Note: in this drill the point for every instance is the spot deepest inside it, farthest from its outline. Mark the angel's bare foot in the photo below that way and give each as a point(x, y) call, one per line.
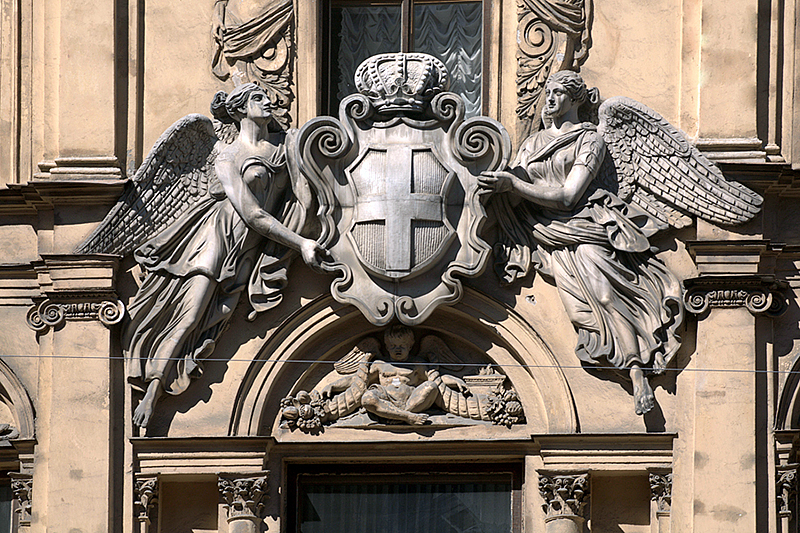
point(417, 419)
point(144, 411)
point(643, 397)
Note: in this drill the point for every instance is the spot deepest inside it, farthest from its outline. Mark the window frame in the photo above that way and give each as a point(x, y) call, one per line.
point(387, 472)
point(406, 39)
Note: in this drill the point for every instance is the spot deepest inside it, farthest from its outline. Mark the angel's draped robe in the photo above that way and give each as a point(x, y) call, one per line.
point(599, 256)
point(209, 241)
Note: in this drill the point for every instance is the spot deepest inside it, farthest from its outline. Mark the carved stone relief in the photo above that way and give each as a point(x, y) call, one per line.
point(786, 490)
point(552, 35)
point(761, 295)
point(146, 503)
point(243, 497)
point(565, 500)
point(52, 313)
point(426, 386)
point(396, 183)
point(181, 217)
point(631, 174)
point(661, 491)
point(22, 488)
point(253, 43)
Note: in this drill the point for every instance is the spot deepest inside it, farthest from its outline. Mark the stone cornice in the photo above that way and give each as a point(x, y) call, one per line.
point(38, 195)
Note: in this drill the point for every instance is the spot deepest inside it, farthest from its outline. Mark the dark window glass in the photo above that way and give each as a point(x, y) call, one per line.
point(5, 508)
point(400, 505)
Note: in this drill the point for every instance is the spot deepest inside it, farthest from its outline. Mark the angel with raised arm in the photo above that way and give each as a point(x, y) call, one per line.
point(579, 205)
point(205, 220)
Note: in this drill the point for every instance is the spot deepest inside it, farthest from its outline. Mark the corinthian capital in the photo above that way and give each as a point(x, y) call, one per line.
point(243, 495)
point(565, 496)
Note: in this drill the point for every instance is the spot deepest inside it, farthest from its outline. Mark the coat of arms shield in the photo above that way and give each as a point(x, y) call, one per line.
point(396, 181)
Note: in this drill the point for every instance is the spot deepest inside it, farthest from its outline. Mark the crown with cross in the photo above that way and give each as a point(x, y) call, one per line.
point(401, 82)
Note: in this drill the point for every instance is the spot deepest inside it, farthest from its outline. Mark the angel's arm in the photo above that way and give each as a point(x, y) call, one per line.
point(456, 383)
point(246, 205)
point(341, 384)
point(562, 197)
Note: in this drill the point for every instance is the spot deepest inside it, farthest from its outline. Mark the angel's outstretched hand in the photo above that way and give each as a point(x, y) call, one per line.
point(314, 254)
point(495, 181)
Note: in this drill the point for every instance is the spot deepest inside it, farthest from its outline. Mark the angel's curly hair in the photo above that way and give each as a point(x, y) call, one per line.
point(588, 99)
point(400, 335)
point(230, 108)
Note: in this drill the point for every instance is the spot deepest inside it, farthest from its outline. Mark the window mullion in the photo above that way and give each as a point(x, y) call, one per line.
point(406, 27)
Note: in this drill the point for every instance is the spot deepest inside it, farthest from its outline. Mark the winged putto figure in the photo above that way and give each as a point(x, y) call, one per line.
point(400, 388)
point(579, 205)
point(206, 220)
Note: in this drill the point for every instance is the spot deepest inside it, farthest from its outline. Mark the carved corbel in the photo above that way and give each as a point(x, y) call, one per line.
point(22, 488)
point(243, 497)
point(51, 313)
point(565, 500)
point(786, 491)
point(761, 295)
point(146, 502)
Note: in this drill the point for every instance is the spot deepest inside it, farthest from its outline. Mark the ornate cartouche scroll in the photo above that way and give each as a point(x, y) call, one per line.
point(403, 387)
point(595, 185)
point(396, 181)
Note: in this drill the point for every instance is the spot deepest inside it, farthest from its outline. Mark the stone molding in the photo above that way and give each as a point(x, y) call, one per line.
point(786, 489)
point(661, 491)
point(565, 495)
point(22, 487)
point(81, 167)
point(51, 314)
point(760, 294)
point(145, 501)
point(243, 495)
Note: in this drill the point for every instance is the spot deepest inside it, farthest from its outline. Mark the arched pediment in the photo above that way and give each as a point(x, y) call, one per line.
point(17, 404)
point(479, 330)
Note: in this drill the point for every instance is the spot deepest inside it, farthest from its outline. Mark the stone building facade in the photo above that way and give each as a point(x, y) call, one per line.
point(293, 405)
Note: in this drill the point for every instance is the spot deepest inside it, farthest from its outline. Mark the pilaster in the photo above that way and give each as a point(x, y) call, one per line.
point(73, 317)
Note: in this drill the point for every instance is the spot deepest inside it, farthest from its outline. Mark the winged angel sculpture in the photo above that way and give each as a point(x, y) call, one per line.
point(579, 205)
point(206, 219)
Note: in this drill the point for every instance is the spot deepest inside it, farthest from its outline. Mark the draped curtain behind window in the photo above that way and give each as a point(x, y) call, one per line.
point(451, 32)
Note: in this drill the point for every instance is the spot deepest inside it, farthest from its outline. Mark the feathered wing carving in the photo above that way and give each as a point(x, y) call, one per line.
point(363, 352)
point(176, 175)
point(434, 350)
point(654, 166)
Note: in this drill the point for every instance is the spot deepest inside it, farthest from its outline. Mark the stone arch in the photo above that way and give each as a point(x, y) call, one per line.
point(787, 415)
point(323, 327)
point(15, 398)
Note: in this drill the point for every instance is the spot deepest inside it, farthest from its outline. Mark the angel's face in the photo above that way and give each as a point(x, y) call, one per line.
point(258, 106)
point(398, 349)
point(557, 100)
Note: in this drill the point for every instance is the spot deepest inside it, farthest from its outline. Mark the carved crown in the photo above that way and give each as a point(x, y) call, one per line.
point(401, 82)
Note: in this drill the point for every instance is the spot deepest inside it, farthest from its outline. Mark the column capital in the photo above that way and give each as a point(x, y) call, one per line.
point(564, 495)
point(661, 491)
point(22, 487)
point(759, 294)
point(243, 494)
point(145, 501)
point(786, 489)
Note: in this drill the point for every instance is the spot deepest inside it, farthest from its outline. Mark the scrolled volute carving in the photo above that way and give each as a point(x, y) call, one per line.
point(51, 314)
point(243, 496)
point(761, 295)
point(565, 496)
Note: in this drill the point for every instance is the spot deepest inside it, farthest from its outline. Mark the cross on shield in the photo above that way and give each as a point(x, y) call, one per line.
point(400, 191)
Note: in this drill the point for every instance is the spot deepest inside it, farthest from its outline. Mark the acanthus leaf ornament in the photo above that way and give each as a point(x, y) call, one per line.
point(396, 181)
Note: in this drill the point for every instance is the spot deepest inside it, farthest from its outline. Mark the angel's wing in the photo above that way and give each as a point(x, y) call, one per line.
point(176, 175)
point(434, 350)
point(363, 352)
point(655, 167)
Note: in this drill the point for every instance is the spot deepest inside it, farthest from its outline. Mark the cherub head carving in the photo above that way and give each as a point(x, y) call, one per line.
point(398, 340)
